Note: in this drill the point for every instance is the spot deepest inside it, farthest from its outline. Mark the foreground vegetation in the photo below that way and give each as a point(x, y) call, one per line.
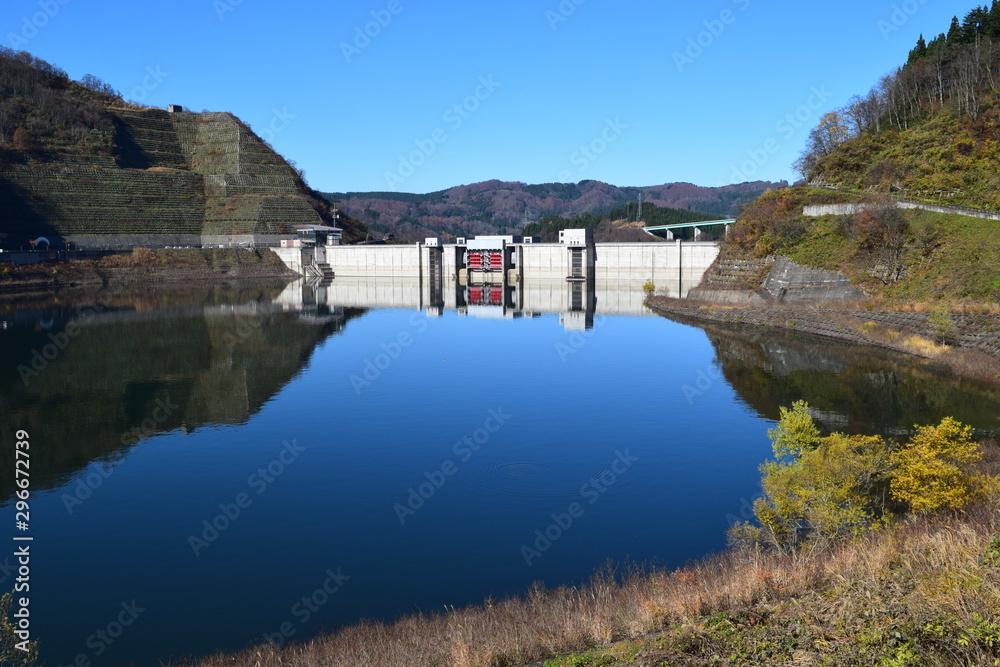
point(823, 489)
point(923, 593)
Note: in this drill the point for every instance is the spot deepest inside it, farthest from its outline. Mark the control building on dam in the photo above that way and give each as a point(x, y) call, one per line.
point(498, 276)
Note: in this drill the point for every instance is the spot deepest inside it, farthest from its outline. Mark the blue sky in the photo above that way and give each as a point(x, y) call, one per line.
point(416, 95)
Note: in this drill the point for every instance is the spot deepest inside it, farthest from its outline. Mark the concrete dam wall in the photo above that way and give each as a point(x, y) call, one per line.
point(685, 263)
point(490, 278)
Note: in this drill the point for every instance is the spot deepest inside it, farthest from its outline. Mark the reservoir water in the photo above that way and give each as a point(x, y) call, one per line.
point(213, 468)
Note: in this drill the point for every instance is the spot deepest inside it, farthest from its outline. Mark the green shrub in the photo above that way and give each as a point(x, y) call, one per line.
point(942, 326)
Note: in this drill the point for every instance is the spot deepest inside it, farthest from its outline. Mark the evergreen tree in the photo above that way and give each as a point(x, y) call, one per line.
point(938, 42)
point(992, 27)
point(973, 24)
point(954, 32)
point(918, 52)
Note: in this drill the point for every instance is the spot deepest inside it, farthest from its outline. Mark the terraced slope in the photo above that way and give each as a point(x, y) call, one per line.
point(174, 173)
point(249, 189)
point(733, 272)
point(71, 200)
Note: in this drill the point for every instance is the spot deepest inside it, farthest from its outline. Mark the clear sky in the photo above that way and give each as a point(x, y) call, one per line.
point(418, 95)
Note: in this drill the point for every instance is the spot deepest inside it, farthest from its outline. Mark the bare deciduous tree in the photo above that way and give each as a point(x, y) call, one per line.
point(22, 140)
point(882, 232)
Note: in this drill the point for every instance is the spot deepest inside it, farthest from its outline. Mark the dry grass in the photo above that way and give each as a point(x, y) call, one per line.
point(965, 362)
point(924, 347)
point(165, 170)
point(541, 624)
point(954, 306)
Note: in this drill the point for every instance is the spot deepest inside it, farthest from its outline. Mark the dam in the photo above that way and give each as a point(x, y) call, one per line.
point(497, 276)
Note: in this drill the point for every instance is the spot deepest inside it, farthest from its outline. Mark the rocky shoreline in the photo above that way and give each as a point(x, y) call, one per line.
point(165, 267)
point(967, 343)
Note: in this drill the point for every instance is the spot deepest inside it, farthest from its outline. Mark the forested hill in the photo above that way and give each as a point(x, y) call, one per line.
point(77, 159)
point(496, 206)
point(929, 129)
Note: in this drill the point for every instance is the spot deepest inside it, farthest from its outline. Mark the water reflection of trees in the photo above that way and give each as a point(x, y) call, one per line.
point(850, 388)
point(136, 370)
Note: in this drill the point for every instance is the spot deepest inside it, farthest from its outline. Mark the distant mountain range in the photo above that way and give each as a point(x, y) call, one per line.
point(494, 207)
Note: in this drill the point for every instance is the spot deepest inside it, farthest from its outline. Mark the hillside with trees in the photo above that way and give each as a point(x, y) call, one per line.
point(495, 207)
point(926, 132)
point(78, 160)
point(929, 129)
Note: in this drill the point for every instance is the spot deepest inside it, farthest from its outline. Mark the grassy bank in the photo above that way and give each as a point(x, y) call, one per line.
point(924, 593)
point(949, 258)
point(932, 279)
point(899, 257)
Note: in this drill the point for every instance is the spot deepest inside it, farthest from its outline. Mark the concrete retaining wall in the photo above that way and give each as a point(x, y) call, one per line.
point(240, 240)
point(730, 297)
point(293, 258)
point(851, 209)
point(787, 275)
point(831, 209)
point(786, 282)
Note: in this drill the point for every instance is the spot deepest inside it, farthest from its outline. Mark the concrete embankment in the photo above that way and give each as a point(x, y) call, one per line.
point(738, 282)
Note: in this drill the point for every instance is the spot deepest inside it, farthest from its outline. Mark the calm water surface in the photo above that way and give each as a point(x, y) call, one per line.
point(403, 461)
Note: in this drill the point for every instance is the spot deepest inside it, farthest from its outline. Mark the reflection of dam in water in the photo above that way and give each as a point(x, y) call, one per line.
point(499, 277)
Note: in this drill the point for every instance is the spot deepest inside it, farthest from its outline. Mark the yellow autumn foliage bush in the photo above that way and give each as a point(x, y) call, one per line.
point(935, 469)
point(821, 489)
